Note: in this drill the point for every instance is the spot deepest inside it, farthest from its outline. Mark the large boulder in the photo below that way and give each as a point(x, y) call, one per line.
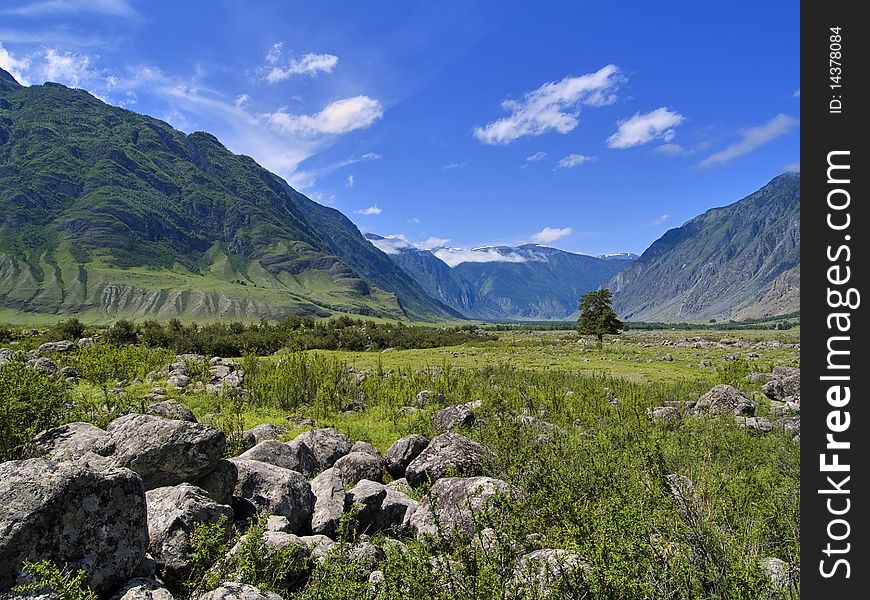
point(295, 456)
point(264, 488)
point(400, 454)
point(141, 588)
point(267, 431)
point(448, 451)
point(170, 409)
point(232, 590)
point(459, 416)
point(162, 451)
point(327, 444)
point(51, 347)
point(784, 382)
point(172, 514)
point(70, 513)
point(365, 501)
point(725, 399)
point(220, 483)
point(397, 508)
point(330, 498)
point(66, 442)
point(453, 503)
point(356, 466)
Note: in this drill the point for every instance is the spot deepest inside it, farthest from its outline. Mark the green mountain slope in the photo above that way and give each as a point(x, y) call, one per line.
point(721, 263)
point(106, 211)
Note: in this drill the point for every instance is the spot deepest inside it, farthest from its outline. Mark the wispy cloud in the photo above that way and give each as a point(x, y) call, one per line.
point(670, 150)
point(340, 116)
point(548, 235)
point(371, 210)
point(414, 220)
point(456, 256)
point(794, 167)
point(658, 221)
point(16, 66)
point(573, 160)
point(451, 166)
point(242, 100)
point(554, 106)
point(392, 244)
point(432, 243)
point(309, 64)
point(116, 8)
point(752, 138)
point(646, 127)
point(537, 156)
point(349, 183)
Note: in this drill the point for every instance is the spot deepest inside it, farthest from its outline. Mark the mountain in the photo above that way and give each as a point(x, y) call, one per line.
point(104, 211)
point(739, 260)
point(505, 282)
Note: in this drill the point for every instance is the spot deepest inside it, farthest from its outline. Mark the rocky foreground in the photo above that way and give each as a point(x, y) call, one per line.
point(121, 503)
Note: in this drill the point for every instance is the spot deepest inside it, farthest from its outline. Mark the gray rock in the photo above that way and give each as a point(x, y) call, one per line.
point(539, 573)
point(172, 514)
point(759, 424)
point(162, 451)
point(273, 542)
point(400, 485)
point(280, 524)
point(85, 342)
point(142, 588)
point(424, 397)
point(394, 517)
point(779, 572)
point(725, 399)
point(328, 445)
point(447, 451)
point(296, 457)
point(42, 364)
point(365, 500)
point(178, 380)
point(52, 347)
point(366, 557)
point(791, 425)
point(365, 447)
point(330, 498)
point(453, 417)
point(784, 382)
point(318, 546)
point(72, 514)
point(267, 431)
point(359, 465)
point(264, 488)
point(66, 442)
point(667, 414)
point(221, 482)
point(400, 454)
point(238, 591)
point(453, 503)
point(170, 409)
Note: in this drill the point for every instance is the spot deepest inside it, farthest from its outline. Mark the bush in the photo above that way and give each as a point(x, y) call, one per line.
point(30, 402)
point(45, 576)
point(71, 329)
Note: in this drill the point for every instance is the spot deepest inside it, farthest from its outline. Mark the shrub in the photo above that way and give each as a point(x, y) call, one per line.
point(30, 401)
point(46, 576)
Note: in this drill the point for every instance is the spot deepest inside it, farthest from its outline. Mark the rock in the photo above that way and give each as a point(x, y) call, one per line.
point(267, 431)
point(667, 414)
point(453, 503)
point(70, 513)
point(365, 500)
point(759, 424)
point(394, 517)
point(264, 488)
point(779, 572)
point(280, 524)
point(169, 409)
point(221, 482)
point(400, 485)
point(453, 417)
point(238, 591)
point(85, 342)
point(359, 465)
point(791, 425)
point(784, 382)
point(447, 451)
point(295, 456)
point(66, 442)
point(725, 399)
point(376, 579)
point(366, 557)
point(330, 498)
point(178, 380)
point(401, 453)
point(366, 448)
point(274, 541)
point(328, 445)
point(142, 588)
point(540, 573)
point(668, 358)
point(172, 514)
point(52, 347)
point(424, 397)
point(6, 355)
point(42, 364)
point(318, 545)
point(162, 451)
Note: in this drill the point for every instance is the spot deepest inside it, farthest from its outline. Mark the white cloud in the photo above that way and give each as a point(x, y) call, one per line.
point(242, 100)
point(321, 198)
point(392, 244)
point(658, 221)
point(432, 243)
point(371, 210)
point(548, 235)
point(643, 128)
point(554, 106)
point(67, 67)
point(17, 67)
point(274, 53)
point(310, 64)
point(794, 167)
point(349, 181)
point(670, 150)
point(414, 220)
point(573, 160)
point(340, 116)
point(536, 157)
point(752, 138)
point(450, 166)
point(116, 8)
point(455, 256)
point(370, 156)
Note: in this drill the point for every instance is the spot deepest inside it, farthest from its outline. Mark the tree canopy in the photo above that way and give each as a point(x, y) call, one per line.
point(596, 315)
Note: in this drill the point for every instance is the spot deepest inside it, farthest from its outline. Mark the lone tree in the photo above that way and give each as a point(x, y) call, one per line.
point(596, 315)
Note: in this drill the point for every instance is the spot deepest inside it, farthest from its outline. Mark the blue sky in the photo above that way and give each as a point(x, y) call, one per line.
point(588, 127)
